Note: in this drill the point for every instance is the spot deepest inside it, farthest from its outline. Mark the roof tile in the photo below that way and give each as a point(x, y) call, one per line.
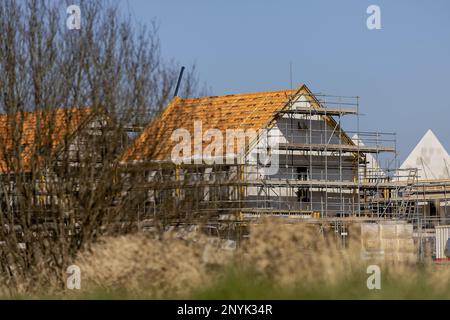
point(29, 131)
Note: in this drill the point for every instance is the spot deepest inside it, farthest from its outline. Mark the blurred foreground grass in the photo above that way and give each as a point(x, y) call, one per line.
point(244, 285)
point(277, 262)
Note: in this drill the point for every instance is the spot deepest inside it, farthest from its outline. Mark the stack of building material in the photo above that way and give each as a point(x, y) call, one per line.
point(370, 240)
point(442, 236)
point(389, 240)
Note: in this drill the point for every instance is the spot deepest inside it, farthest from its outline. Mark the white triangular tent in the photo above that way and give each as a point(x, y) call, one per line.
point(430, 158)
point(373, 168)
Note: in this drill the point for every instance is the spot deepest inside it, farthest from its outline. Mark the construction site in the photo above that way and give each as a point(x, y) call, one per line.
point(301, 165)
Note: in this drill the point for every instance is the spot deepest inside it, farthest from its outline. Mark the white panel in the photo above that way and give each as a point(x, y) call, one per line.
point(430, 157)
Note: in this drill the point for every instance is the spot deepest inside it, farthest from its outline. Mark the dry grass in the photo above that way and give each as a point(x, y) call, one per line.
point(138, 263)
point(294, 253)
point(278, 261)
point(159, 267)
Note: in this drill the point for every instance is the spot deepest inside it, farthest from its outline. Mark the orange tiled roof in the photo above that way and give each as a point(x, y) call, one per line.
point(234, 111)
point(26, 132)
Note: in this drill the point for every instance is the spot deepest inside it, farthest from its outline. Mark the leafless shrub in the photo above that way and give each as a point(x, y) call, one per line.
point(68, 98)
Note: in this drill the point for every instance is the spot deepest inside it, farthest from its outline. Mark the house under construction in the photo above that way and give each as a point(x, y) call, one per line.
point(297, 160)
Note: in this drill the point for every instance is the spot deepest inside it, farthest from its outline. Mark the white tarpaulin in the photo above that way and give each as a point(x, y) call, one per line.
point(430, 158)
point(373, 168)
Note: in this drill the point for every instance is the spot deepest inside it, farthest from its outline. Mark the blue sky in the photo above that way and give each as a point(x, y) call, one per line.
point(401, 72)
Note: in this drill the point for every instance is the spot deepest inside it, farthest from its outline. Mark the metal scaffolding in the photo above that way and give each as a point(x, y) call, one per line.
point(322, 173)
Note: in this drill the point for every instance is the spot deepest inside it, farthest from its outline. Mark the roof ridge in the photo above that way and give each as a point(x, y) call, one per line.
point(50, 110)
point(255, 93)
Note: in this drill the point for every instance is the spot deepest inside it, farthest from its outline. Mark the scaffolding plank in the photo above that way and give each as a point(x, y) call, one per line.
point(275, 211)
point(334, 147)
point(274, 183)
point(324, 183)
point(320, 111)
